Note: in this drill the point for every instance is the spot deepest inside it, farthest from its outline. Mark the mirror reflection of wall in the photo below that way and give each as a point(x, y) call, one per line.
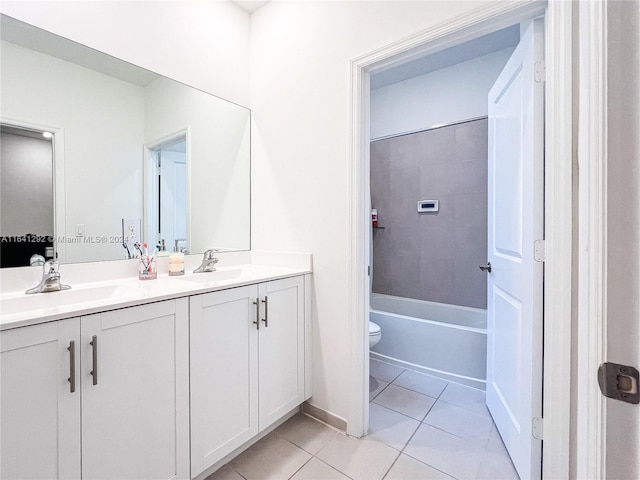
point(26, 195)
point(102, 121)
point(106, 115)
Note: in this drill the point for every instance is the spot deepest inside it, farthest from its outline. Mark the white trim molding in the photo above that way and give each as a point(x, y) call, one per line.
point(358, 377)
point(558, 206)
point(556, 399)
point(592, 240)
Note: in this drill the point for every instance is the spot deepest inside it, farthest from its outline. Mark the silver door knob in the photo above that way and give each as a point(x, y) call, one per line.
point(486, 268)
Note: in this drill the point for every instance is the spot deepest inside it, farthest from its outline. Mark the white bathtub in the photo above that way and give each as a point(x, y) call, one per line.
point(443, 340)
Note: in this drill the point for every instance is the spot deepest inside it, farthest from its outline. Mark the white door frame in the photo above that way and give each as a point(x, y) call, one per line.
point(558, 208)
point(592, 241)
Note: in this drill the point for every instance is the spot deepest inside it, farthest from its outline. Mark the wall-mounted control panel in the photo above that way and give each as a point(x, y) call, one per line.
point(427, 206)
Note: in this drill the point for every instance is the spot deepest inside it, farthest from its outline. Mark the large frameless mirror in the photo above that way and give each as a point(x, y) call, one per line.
point(99, 154)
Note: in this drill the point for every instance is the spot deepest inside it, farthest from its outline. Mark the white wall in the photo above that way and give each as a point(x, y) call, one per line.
point(623, 229)
point(300, 99)
point(103, 178)
point(26, 183)
point(444, 96)
point(202, 43)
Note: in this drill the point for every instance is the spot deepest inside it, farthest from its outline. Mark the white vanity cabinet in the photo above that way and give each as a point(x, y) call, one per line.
point(155, 386)
point(39, 412)
point(281, 348)
point(131, 370)
point(135, 404)
point(247, 364)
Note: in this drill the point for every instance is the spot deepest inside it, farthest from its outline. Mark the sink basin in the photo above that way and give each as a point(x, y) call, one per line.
point(54, 300)
point(216, 276)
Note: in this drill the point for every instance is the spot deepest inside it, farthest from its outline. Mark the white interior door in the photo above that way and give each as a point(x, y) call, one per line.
point(173, 199)
point(514, 286)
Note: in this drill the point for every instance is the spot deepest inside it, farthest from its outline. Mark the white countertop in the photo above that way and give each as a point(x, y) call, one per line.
point(18, 309)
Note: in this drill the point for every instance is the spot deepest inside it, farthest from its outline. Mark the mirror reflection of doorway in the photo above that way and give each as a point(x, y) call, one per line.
point(26, 201)
point(170, 160)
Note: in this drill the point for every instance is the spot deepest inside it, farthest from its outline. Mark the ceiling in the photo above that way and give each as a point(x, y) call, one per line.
point(249, 6)
point(493, 42)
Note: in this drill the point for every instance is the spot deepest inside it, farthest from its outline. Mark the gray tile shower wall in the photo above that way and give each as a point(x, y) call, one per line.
point(432, 256)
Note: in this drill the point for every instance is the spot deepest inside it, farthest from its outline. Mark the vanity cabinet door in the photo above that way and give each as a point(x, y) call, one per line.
point(135, 392)
point(281, 348)
point(224, 374)
point(40, 428)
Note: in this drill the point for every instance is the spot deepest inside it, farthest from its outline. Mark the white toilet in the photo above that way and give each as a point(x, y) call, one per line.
point(374, 333)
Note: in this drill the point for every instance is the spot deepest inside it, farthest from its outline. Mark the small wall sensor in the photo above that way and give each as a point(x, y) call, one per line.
point(425, 206)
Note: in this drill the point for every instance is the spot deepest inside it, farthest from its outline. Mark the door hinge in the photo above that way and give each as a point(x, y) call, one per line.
point(537, 428)
point(368, 270)
point(539, 71)
point(538, 250)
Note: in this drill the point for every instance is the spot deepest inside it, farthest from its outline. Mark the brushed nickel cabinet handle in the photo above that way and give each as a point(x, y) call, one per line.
point(72, 366)
point(256, 322)
point(94, 372)
point(266, 311)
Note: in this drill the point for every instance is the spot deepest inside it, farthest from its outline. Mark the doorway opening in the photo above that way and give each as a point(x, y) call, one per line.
point(167, 220)
point(429, 162)
point(27, 229)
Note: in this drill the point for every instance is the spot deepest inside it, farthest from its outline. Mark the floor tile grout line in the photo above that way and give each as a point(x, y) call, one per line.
point(428, 411)
point(405, 445)
point(411, 390)
point(455, 435)
point(445, 431)
point(399, 413)
point(385, 363)
point(231, 467)
point(383, 389)
point(402, 413)
point(391, 466)
point(408, 390)
point(430, 466)
point(295, 445)
point(483, 446)
point(301, 467)
point(331, 466)
point(422, 393)
point(465, 408)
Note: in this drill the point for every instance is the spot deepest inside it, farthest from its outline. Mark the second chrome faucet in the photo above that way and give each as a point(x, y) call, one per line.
point(208, 262)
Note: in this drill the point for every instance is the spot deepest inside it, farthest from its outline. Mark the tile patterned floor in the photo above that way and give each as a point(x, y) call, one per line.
point(421, 427)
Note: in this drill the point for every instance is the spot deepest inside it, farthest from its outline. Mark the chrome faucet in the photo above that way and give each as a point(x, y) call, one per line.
point(208, 262)
point(50, 281)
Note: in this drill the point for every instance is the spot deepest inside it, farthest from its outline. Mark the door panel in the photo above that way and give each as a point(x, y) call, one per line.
point(281, 348)
point(224, 374)
point(40, 428)
point(135, 419)
point(514, 287)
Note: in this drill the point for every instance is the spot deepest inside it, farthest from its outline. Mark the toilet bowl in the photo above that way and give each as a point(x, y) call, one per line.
point(374, 333)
